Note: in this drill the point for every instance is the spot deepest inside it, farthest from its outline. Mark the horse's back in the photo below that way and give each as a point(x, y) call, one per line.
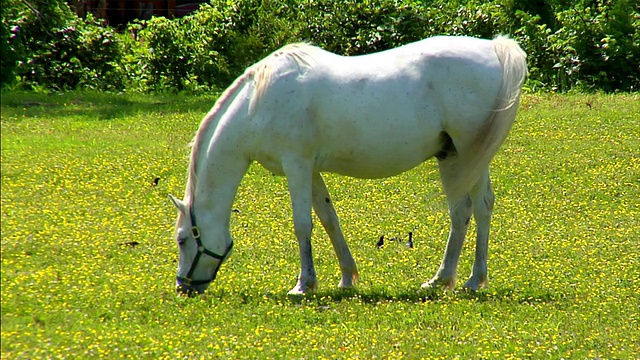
point(380, 114)
point(451, 76)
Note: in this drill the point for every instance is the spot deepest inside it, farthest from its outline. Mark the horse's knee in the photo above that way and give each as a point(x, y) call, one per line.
point(489, 200)
point(303, 229)
point(460, 213)
point(483, 201)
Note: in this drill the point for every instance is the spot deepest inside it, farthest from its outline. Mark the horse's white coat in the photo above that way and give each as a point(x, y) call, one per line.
point(303, 111)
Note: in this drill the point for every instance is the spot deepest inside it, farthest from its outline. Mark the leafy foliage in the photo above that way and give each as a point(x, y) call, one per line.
point(355, 27)
point(56, 49)
point(604, 46)
point(209, 47)
point(585, 44)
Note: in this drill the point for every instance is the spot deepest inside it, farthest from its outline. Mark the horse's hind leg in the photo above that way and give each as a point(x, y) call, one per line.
point(460, 214)
point(482, 199)
point(460, 210)
point(326, 212)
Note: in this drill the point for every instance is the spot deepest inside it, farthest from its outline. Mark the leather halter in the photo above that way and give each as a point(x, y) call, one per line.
point(195, 232)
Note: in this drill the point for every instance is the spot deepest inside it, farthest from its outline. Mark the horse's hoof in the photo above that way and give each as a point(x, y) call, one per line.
point(349, 283)
point(303, 289)
point(344, 291)
point(428, 287)
point(296, 291)
point(295, 296)
point(437, 282)
point(476, 282)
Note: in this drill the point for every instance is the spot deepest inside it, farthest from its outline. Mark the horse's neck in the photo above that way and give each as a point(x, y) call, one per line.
point(218, 178)
point(218, 163)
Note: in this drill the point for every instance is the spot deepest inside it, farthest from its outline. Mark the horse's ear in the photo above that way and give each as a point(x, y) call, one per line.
point(179, 204)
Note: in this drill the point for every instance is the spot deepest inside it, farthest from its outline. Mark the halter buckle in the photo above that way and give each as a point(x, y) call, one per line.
point(195, 232)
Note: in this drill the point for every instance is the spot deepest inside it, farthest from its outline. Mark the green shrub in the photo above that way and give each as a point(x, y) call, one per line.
point(8, 56)
point(55, 49)
point(534, 37)
point(604, 39)
point(585, 44)
point(484, 19)
point(203, 51)
point(358, 27)
point(594, 47)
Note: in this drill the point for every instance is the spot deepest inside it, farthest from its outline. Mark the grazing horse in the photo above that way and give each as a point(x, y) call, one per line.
point(302, 111)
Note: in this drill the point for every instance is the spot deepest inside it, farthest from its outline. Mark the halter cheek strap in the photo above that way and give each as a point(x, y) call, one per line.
point(195, 232)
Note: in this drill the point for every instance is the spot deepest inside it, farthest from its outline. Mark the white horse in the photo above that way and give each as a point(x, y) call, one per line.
point(302, 111)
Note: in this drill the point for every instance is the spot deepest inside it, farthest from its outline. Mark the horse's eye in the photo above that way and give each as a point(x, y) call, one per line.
point(181, 241)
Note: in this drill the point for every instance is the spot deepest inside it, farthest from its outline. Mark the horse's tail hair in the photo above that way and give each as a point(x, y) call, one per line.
point(514, 70)
point(473, 161)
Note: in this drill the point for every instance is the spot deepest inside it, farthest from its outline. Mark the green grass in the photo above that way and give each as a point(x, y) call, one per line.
point(77, 171)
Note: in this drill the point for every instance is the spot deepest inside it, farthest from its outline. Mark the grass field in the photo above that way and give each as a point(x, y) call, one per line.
point(77, 174)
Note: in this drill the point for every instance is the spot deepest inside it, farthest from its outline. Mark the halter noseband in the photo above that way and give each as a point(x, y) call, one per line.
point(195, 232)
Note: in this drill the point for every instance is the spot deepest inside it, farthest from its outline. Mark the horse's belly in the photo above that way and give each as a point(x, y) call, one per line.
point(365, 170)
point(373, 162)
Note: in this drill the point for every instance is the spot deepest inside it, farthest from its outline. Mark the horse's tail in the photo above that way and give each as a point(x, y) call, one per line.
point(514, 70)
point(471, 163)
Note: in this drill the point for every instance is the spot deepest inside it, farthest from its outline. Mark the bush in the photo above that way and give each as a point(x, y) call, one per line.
point(354, 27)
point(585, 44)
point(57, 50)
point(603, 41)
point(203, 51)
point(8, 56)
point(593, 48)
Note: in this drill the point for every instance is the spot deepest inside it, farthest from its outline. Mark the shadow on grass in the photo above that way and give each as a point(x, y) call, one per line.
point(103, 106)
point(325, 298)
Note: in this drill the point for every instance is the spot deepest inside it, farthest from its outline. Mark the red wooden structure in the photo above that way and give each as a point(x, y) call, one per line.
point(120, 12)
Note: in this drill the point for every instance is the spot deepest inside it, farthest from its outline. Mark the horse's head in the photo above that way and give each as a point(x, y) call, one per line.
point(197, 264)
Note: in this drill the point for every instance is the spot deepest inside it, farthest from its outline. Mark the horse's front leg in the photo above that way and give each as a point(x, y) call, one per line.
point(323, 207)
point(460, 214)
point(299, 175)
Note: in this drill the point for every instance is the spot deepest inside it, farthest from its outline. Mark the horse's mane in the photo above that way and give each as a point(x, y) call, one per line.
point(261, 74)
point(300, 53)
point(211, 119)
